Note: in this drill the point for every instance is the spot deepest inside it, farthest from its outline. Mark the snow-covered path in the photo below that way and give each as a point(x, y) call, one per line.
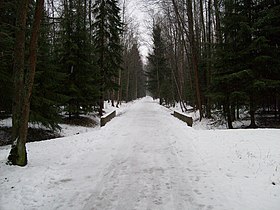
point(147, 159)
point(145, 169)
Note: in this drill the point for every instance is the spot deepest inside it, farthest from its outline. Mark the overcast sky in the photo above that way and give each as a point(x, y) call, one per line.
point(139, 11)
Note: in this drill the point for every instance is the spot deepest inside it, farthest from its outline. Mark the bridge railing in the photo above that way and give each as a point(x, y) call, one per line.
point(106, 118)
point(184, 118)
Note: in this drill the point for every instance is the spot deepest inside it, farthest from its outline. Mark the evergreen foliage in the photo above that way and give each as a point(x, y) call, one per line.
point(77, 60)
point(7, 36)
point(158, 72)
point(46, 98)
point(137, 79)
point(106, 38)
point(80, 55)
point(247, 58)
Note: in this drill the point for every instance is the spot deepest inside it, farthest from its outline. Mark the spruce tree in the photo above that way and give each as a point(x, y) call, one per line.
point(77, 61)
point(107, 30)
point(7, 39)
point(135, 67)
point(265, 48)
point(159, 75)
point(46, 98)
point(233, 65)
point(247, 65)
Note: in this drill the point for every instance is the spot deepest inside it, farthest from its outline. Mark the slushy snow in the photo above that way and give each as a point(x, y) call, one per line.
point(147, 159)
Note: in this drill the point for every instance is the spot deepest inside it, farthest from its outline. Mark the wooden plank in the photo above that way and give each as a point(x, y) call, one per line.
point(184, 118)
point(106, 118)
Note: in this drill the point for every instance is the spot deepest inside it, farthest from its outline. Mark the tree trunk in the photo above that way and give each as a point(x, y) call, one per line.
point(194, 56)
point(127, 82)
point(136, 86)
point(119, 89)
point(252, 113)
point(277, 106)
point(101, 103)
point(218, 24)
point(228, 113)
point(119, 94)
point(158, 86)
point(202, 22)
point(90, 19)
point(182, 30)
point(18, 154)
point(113, 98)
point(24, 82)
point(209, 58)
point(237, 111)
point(252, 117)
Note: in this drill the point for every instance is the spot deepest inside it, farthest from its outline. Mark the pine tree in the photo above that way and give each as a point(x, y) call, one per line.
point(159, 75)
point(135, 67)
point(265, 48)
point(7, 39)
point(233, 71)
point(77, 60)
point(247, 67)
point(106, 38)
point(46, 98)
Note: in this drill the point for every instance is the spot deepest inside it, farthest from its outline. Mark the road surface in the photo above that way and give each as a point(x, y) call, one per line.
point(149, 166)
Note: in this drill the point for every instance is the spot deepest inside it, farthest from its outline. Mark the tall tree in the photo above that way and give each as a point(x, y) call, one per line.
point(136, 80)
point(77, 59)
point(159, 75)
point(47, 100)
point(7, 38)
point(107, 33)
point(23, 80)
point(194, 56)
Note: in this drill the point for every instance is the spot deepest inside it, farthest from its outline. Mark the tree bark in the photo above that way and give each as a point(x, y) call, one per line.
point(202, 22)
point(181, 28)
point(18, 154)
point(120, 89)
point(194, 56)
point(252, 112)
point(209, 58)
point(228, 112)
point(127, 81)
point(23, 82)
point(218, 24)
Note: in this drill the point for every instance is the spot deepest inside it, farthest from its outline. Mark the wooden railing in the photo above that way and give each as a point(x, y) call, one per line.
point(106, 118)
point(184, 118)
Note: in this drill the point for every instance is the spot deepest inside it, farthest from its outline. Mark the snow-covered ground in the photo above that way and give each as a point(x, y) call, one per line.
point(70, 130)
point(147, 159)
point(216, 122)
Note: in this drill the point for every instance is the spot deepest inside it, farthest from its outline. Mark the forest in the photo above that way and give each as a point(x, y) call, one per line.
point(217, 55)
point(83, 54)
point(64, 58)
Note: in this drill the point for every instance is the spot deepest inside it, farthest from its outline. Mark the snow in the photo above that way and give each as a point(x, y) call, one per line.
point(217, 121)
point(70, 130)
point(147, 159)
